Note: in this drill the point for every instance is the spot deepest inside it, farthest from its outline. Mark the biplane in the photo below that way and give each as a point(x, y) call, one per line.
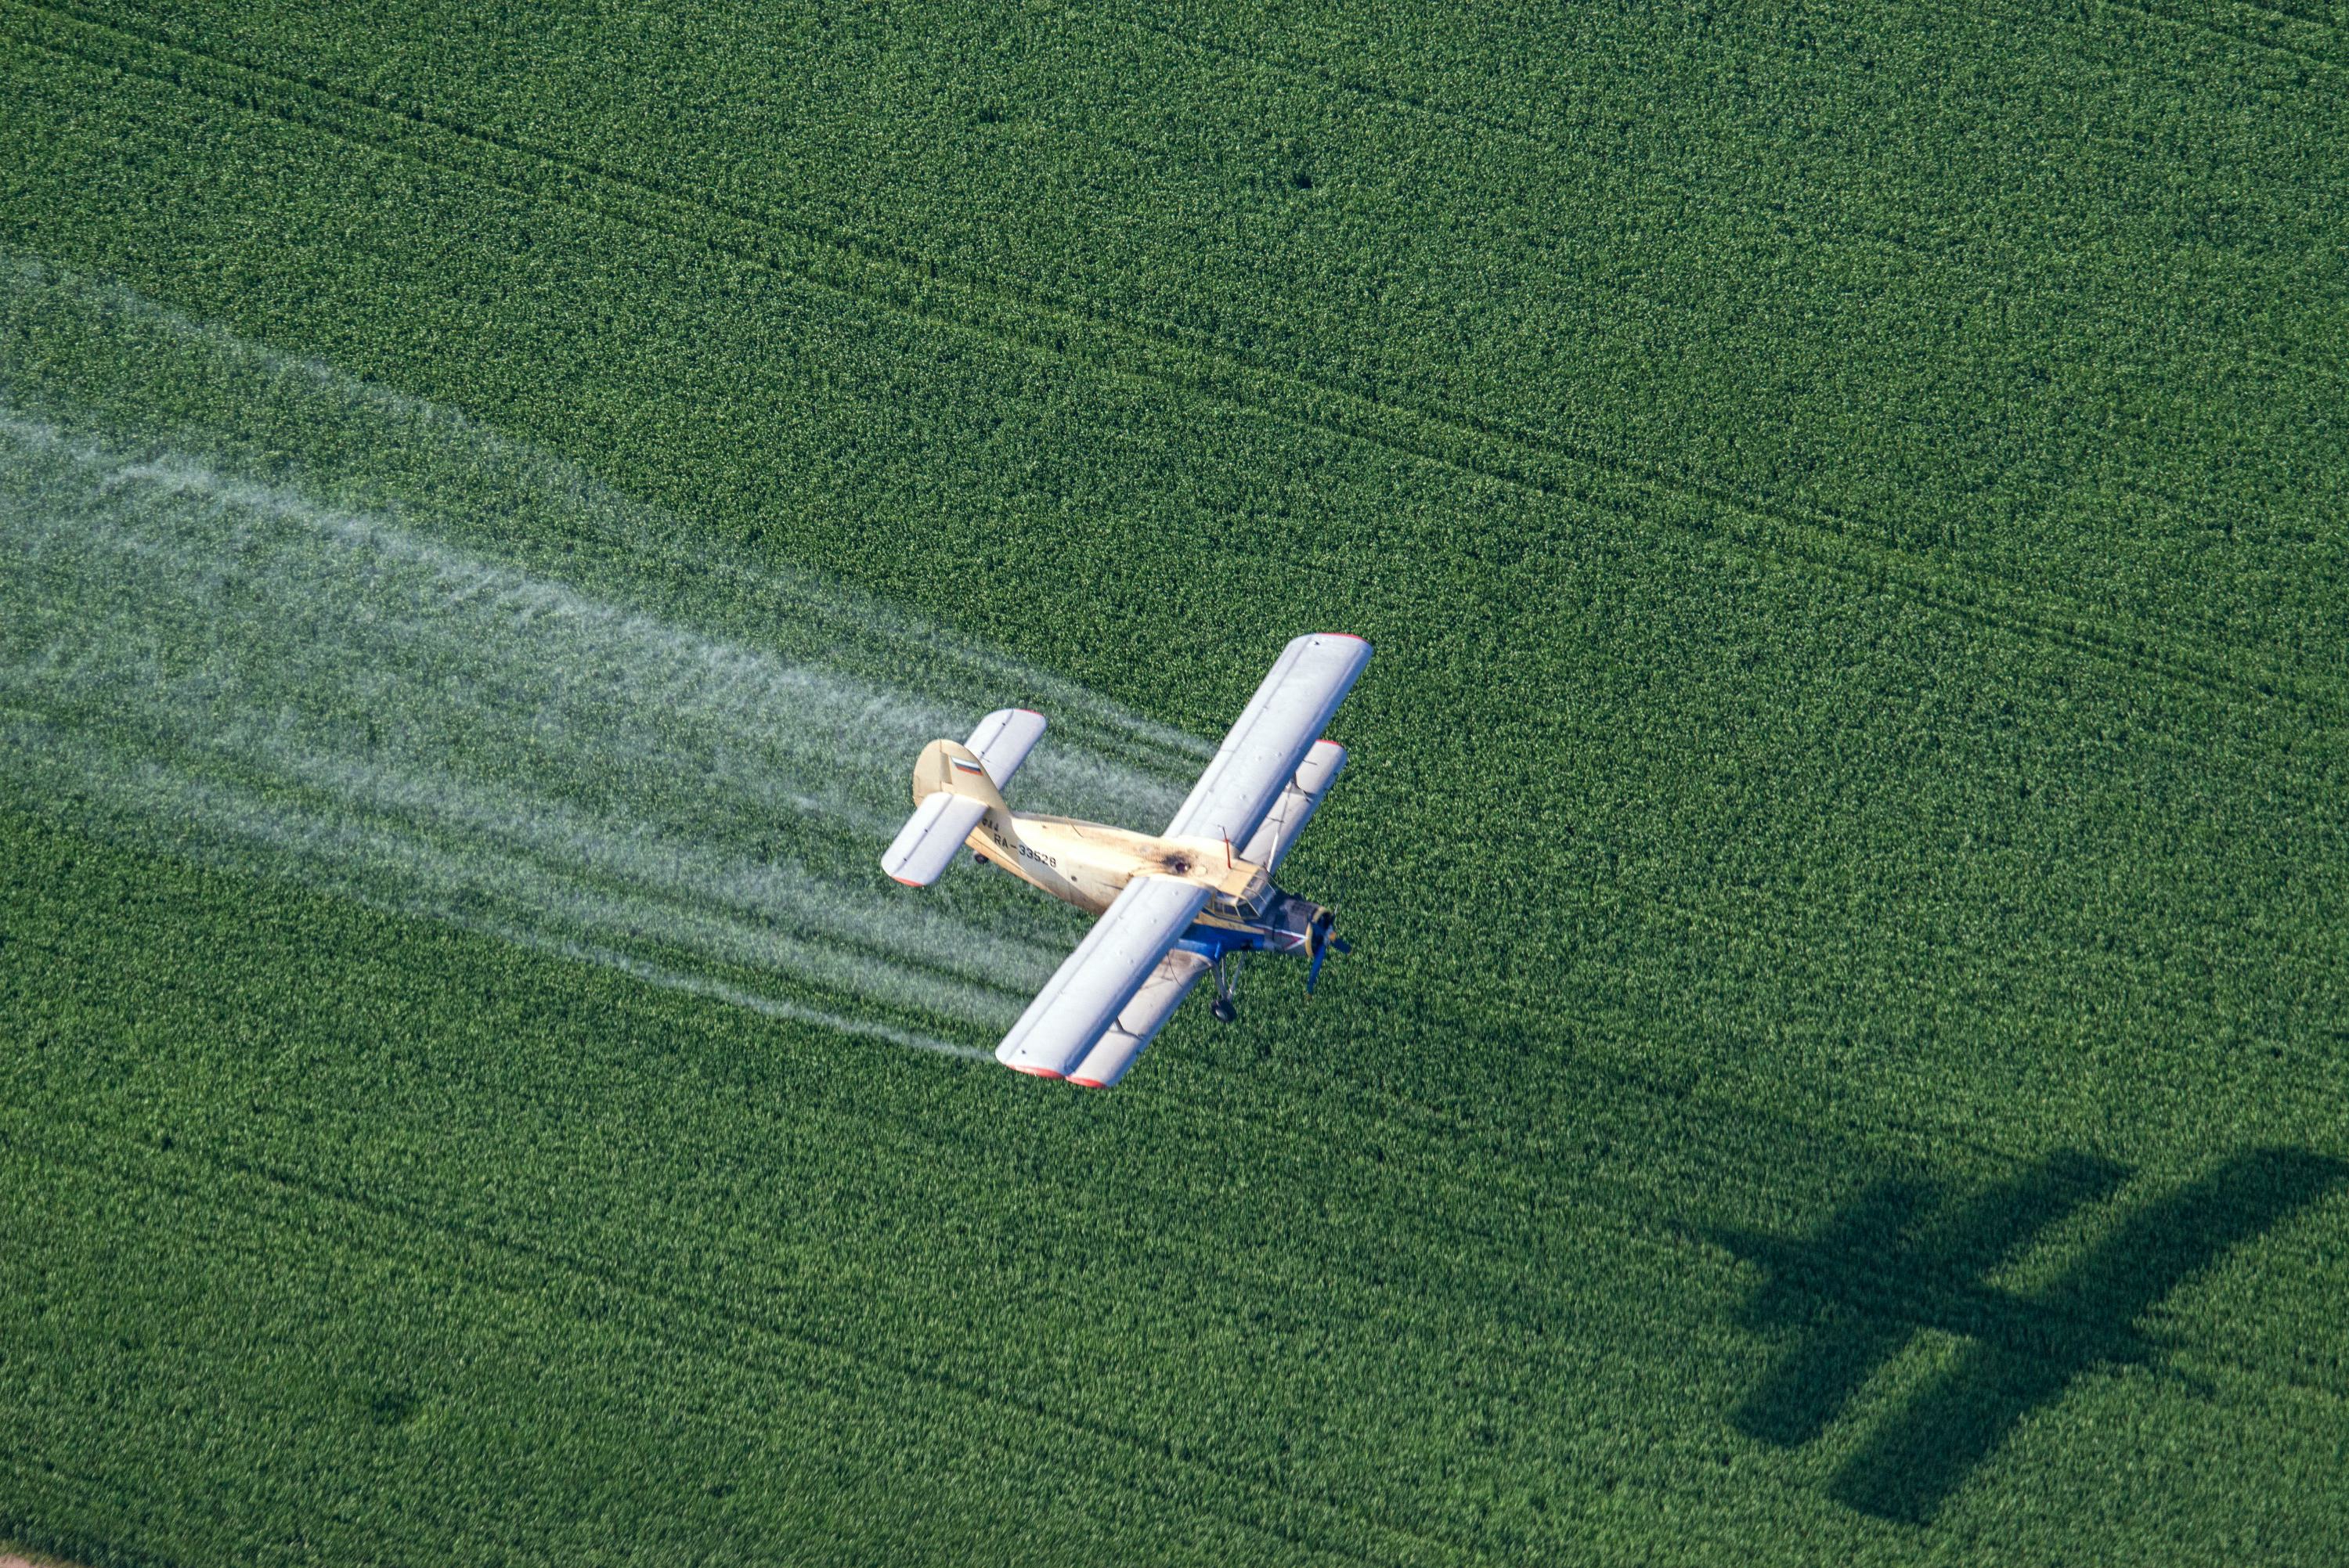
point(1174, 906)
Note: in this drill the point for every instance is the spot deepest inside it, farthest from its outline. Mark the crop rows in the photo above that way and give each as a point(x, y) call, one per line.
point(482, 1204)
point(1788, 815)
point(1568, 725)
point(2094, 488)
point(1847, 544)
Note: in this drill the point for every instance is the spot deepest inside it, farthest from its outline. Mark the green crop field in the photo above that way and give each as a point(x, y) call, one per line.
point(1846, 1053)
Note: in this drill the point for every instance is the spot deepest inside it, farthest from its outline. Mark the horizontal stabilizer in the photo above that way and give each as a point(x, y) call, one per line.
point(1140, 1021)
point(1259, 758)
point(1269, 845)
point(928, 843)
point(1003, 740)
point(1092, 985)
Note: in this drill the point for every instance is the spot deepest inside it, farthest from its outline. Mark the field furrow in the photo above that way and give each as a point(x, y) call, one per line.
point(1848, 548)
point(1839, 1055)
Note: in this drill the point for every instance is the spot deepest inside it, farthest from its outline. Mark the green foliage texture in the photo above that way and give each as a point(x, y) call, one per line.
point(1848, 500)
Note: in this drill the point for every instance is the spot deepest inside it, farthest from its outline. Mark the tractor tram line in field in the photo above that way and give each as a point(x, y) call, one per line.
point(1401, 1120)
point(672, 1317)
point(1612, 1219)
point(1315, 74)
point(2020, 626)
point(1820, 542)
point(1305, 70)
point(1625, 1208)
point(873, 246)
point(670, 1308)
point(2281, 19)
point(676, 1319)
point(663, 1302)
point(1817, 1090)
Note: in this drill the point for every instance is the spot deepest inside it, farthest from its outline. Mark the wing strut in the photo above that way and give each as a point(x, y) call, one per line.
point(1092, 985)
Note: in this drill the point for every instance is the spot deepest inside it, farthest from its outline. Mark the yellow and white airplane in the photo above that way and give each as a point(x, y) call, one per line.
point(1186, 902)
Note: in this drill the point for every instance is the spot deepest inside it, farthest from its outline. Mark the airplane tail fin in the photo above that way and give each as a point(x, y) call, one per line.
point(959, 789)
point(955, 768)
point(953, 797)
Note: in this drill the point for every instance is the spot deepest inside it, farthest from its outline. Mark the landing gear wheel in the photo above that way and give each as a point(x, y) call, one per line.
point(1225, 1012)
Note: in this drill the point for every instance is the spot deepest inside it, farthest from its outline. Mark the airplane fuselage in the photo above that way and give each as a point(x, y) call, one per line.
point(1088, 864)
point(1175, 908)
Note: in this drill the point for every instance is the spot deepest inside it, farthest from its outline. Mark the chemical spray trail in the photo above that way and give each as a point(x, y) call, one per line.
point(431, 671)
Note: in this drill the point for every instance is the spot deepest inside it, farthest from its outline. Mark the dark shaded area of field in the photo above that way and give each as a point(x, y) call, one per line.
point(1844, 1054)
point(1844, 1293)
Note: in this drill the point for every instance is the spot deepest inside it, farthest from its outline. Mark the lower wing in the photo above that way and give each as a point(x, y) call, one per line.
point(1085, 995)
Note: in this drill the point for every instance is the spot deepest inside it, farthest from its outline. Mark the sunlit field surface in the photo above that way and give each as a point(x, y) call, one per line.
point(1846, 1052)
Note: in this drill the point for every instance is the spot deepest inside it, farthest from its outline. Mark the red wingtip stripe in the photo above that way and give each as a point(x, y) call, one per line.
point(1088, 1083)
point(896, 878)
point(1032, 1072)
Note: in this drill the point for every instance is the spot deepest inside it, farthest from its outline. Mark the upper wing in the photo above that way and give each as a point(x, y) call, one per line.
point(1259, 757)
point(1003, 740)
point(924, 847)
point(1084, 996)
point(1269, 845)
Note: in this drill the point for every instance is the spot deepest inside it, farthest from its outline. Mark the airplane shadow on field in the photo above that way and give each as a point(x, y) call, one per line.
point(1904, 1256)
